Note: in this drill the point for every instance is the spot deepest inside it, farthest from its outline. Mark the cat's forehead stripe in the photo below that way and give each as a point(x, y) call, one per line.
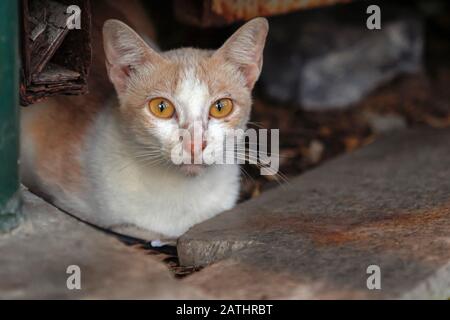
point(192, 93)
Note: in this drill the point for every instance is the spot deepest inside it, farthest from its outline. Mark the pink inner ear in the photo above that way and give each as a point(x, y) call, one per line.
point(126, 70)
point(251, 74)
point(118, 76)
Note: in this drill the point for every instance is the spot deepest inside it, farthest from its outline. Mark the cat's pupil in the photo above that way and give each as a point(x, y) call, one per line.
point(161, 106)
point(219, 105)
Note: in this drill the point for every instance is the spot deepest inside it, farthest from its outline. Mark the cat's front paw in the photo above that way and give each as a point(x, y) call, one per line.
point(161, 243)
point(133, 231)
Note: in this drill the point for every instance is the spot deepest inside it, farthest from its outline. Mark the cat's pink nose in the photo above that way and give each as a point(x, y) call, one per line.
point(193, 147)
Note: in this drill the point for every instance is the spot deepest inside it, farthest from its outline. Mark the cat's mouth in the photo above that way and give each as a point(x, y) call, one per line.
point(192, 169)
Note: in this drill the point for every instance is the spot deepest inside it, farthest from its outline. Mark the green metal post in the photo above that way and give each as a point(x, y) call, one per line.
point(9, 115)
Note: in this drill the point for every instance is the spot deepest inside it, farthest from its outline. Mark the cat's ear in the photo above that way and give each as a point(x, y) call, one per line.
point(245, 49)
point(125, 51)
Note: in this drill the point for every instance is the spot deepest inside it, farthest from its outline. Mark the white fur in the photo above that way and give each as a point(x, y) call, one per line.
point(158, 199)
point(192, 95)
point(127, 196)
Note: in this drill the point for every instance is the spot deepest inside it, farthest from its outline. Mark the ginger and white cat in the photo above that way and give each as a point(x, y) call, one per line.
point(111, 164)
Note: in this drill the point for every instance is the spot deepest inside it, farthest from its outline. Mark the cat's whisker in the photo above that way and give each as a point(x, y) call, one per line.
point(243, 151)
point(147, 159)
point(256, 124)
point(143, 155)
point(255, 150)
point(242, 169)
point(255, 161)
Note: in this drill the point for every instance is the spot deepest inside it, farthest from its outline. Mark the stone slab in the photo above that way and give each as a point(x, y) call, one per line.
point(387, 204)
point(34, 259)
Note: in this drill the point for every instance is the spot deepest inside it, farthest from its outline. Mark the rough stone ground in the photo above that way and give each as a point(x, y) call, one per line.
point(34, 259)
point(387, 204)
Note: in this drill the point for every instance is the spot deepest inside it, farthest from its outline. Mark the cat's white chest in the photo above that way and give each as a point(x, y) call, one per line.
point(158, 199)
point(168, 203)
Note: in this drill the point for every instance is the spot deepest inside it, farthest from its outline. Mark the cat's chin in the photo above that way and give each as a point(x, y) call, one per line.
point(192, 170)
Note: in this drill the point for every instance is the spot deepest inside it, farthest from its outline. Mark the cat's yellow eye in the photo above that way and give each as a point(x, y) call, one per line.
point(221, 108)
point(161, 108)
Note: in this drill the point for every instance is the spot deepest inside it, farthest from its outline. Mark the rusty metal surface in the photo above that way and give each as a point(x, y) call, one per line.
point(221, 12)
point(245, 9)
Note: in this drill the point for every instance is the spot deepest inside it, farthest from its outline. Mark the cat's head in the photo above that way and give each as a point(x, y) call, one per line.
point(163, 92)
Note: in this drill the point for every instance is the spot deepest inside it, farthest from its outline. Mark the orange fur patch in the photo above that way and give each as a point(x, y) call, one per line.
point(58, 128)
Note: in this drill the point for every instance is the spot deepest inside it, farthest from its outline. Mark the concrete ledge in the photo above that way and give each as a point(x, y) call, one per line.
point(387, 204)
